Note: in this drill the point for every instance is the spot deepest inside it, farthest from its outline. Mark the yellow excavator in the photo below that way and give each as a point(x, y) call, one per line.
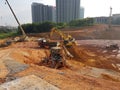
point(58, 52)
point(68, 40)
point(70, 45)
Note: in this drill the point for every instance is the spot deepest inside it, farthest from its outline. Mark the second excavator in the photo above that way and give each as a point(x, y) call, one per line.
point(70, 44)
point(68, 40)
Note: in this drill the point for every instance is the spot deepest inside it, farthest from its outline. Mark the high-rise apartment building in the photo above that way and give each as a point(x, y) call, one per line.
point(82, 10)
point(54, 14)
point(42, 13)
point(67, 10)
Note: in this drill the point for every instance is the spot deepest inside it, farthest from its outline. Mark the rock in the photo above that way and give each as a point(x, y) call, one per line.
point(61, 73)
point(8, 78)
point(31, 82)
point(105, 51)
point(114, 50)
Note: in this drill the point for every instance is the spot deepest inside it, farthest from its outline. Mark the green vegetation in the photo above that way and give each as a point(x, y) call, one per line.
point(61, 25)
point(6, 32)
point(44, 27)
point(41, 27)
point(38, 27)
point(82, 22)
point(47, 26)
point(6, 35)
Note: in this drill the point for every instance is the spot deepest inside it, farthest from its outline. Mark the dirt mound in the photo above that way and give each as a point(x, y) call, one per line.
point(90, 56)
point(79, 54)
point(29, 56)
point(84, 54)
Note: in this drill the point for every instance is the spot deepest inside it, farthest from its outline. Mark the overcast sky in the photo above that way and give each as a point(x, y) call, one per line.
point(22, 9)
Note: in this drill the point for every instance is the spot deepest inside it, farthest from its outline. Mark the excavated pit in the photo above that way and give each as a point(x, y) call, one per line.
point(92, 68)
point(88, 55)
point(30, 54)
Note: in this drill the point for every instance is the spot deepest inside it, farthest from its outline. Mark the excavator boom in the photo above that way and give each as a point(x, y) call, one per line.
point(55, 30)
point(68, 40)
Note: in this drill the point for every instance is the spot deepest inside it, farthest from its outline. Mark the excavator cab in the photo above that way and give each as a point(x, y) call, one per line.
point(69, 41)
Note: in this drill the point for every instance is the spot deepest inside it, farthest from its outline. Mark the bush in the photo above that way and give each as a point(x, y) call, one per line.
point(47, 26)
point(6, 35)
point(82, 22)
point(37, 27)
point(61, 25)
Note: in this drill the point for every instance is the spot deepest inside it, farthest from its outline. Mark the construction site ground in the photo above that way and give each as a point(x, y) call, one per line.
point(98, 69)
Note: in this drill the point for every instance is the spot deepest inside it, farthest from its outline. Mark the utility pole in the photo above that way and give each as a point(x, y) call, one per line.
point(23, 32)
point(110, 19)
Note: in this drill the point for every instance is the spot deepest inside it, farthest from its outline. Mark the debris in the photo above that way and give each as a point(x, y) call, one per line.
point(30, 82)
point(112, 47)
point(56, 58)
point(105, 51)
point(61, 73)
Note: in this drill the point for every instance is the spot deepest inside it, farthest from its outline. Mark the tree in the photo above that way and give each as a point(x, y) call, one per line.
point(82, 22)
point(38, 27)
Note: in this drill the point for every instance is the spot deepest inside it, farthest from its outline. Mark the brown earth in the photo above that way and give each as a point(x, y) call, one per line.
point(94, 69)
point(65, 78)
point(90, 32)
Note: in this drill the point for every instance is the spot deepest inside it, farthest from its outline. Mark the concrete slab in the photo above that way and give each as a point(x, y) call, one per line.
point(13, 66)
point(31, 82)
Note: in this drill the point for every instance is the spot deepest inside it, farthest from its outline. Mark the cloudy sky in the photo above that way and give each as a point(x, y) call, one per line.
point(22, 9)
